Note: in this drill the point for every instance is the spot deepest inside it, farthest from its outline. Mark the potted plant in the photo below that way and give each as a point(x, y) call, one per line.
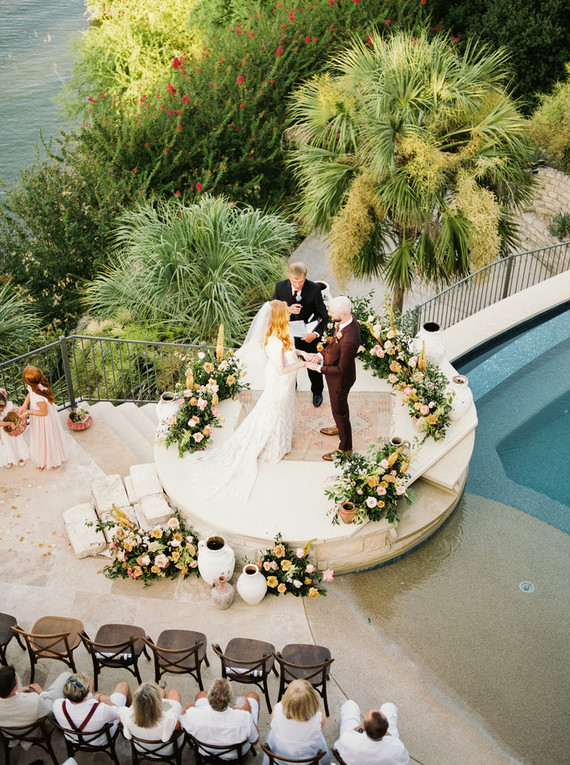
point(78, 419)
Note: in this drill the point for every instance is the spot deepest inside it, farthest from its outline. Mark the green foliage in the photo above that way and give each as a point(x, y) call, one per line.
point(550, 125)
point(19, 324)
point(287, 570)
point(534, 32)
point(130, 46)
point(217, 119)
point(424, 125)
point(54, 225)
point(560, 226)
point(194, 267)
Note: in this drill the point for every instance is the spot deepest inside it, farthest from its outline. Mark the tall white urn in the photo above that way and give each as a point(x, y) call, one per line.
point(428, 338)
point(215, 559)
point(462, 397)
point(167, 405)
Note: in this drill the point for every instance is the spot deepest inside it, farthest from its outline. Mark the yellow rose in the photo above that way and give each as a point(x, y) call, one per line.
point(279, 551)
point(380, 503)
point(208, 368)
point(156, 533)
point(272, 581)
point(384, 485)
point(137, 571)
point(372, 481)
point(177, 536)
point(308, 580)
point(175, 556)
point(128, 547)
point(155, 569)
point(231, 380)
point(394, 366)
point(286, 565)
point(206, 432)
point(193, 401)
point(282, 588)
point(432, 419)
point(313, 592)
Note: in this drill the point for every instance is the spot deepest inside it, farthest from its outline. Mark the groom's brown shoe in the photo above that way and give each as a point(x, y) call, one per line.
point(330, 431)
point(329, 456)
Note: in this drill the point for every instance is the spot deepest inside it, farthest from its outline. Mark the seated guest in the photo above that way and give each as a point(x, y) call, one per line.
point(25, 705)
point(86, 712)
point(297, 723)
point(154, 715)
point(212, 720)
point(374, 742)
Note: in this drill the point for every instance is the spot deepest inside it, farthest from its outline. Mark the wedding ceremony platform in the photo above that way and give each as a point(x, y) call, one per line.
point(288, 498)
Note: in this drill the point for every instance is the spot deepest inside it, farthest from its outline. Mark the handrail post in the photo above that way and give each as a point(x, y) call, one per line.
point(67, 370)
point(507, 282)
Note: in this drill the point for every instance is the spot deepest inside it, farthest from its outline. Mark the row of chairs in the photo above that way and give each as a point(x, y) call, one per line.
point(244, 660)
point(40, 734)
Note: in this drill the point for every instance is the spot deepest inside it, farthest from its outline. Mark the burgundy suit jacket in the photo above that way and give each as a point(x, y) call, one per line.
point(339, 365)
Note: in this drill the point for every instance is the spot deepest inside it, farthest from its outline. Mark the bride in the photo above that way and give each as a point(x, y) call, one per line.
point(229, 470)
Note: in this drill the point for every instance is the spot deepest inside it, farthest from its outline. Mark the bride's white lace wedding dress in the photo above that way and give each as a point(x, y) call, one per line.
point(229, 471)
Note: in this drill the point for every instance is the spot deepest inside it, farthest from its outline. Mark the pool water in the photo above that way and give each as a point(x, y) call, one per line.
point(456, 606)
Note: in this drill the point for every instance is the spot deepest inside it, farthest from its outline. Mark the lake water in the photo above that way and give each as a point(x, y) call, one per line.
point(35, 62)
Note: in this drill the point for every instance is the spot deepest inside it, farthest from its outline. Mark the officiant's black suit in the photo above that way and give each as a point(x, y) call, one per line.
point(312, 307)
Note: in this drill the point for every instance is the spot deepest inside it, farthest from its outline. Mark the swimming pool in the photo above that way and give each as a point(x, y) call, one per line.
point(521, 386)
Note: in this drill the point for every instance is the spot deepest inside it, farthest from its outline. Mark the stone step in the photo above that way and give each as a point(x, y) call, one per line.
point(104, 446)
point(121, 425)
point(149, 410)
point(139, 420)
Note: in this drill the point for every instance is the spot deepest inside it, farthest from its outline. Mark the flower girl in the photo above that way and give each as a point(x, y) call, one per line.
point(47, 443)
point(13, 449)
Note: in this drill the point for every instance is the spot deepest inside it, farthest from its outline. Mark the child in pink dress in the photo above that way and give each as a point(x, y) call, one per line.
point(47, 444)
point(13, 449)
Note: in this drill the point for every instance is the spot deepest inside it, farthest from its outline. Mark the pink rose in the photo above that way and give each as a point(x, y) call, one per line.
point(424, 409)
point(310, 568)
point(412, 361)
point(328, 575)
point(381, 491)
point(400, 490)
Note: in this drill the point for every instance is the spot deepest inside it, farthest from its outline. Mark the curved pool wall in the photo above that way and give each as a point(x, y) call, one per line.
point(520, 382)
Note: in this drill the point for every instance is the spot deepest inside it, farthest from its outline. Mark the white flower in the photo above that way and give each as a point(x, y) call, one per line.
point(381, 491)
point(202, 404)
point(371, 502)
point(400, 490)
point(300, 552)
point(197, 437)
point(223, 366)
point(385, 464)
point(376, 330)
point(201, 355)
point(297, 583)
point(175, 543)
point(310, 568)
point(390, 333)
point(145, 560)
point(173, 523)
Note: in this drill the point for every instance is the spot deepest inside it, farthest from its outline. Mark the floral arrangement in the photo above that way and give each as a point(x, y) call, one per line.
point(385, 339)
point(287, 570)
point(373, 482)
point(211, 376)
point(159, 553)
point(386, 342)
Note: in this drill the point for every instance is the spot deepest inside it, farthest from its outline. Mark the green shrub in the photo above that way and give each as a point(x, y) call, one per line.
point(535, 32)
point(560, 226)
point(550, 125)
point(19, 324)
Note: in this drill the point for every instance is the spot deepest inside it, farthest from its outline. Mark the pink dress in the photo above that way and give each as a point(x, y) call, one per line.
point(47, 444)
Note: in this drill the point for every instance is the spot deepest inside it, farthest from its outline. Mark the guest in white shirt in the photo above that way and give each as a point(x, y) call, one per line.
point(374, 742)
point(154, 716)
point(83, 711)
point(212, 721)
point(297, 723)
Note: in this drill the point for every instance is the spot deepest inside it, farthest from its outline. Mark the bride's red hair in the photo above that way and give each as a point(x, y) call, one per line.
point(279, 325)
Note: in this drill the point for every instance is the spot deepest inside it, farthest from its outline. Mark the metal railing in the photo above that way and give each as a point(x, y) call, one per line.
point(492, 283)
point(85, 368)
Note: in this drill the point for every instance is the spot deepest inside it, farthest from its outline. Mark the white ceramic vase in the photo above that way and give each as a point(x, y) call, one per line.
point(251, 585)
point(428, 338)
point(215, 559)
point(167, 405)
point(326, 290)
point(462, 397)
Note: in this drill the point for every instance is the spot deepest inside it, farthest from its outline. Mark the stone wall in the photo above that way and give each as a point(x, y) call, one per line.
point(552, 197)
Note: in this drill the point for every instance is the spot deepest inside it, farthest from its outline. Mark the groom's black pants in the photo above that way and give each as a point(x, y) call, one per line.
point(316, 378)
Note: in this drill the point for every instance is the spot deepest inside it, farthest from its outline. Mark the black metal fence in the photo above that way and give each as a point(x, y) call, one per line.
point(84, 368)
point(493, 283)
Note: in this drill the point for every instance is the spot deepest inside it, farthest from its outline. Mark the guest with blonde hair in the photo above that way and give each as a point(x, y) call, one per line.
point(154, 715)
point(297, 723)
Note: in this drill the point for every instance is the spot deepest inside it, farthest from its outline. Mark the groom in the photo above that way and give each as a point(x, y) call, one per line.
point(337, 363)
point(305, 303)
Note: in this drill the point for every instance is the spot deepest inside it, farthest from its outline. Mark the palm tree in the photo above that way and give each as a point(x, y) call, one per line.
point(19, 324)
point(194, 267)
point(412, 157)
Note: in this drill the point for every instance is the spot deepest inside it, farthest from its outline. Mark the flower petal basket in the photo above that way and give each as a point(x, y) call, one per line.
point(20, 423)
point(79, 419)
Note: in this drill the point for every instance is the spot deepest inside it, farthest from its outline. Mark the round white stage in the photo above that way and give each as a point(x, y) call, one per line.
point(288, 498)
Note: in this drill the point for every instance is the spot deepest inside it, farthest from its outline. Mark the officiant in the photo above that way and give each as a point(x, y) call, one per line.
point(308, 316)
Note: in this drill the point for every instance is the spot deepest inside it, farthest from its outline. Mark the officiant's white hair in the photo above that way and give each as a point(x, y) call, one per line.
point(340, 304)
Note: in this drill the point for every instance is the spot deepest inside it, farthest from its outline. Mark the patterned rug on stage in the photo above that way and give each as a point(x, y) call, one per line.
point(370, 415)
